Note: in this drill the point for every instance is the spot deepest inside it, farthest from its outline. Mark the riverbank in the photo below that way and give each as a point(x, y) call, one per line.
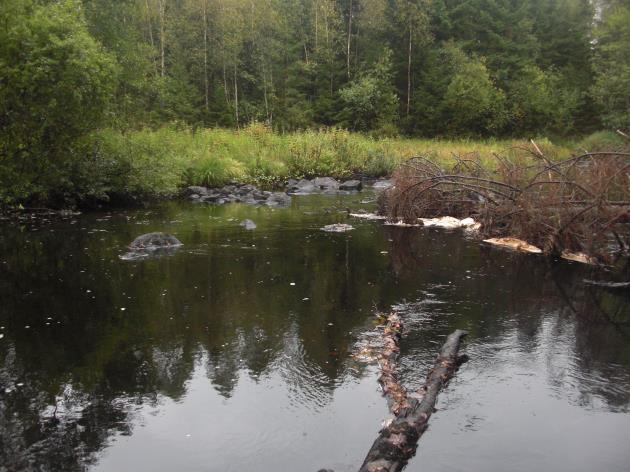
point(111, 167)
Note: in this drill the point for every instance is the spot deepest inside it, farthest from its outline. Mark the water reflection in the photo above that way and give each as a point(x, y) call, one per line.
point(95, 347)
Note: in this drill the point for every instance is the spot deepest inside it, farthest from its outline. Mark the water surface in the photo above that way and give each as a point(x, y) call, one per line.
point(235, 352)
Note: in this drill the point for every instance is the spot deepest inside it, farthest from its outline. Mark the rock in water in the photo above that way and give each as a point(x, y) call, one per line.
point(248, 224)
point(325, 183)
point(278, 199)
point(153, 241)
point(351, 185)
point(382, 184)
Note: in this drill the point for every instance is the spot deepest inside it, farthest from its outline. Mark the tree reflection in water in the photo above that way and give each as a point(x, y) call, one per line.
point(84, 369)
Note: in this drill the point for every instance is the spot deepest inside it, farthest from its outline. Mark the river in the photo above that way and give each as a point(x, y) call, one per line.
point(236, 352)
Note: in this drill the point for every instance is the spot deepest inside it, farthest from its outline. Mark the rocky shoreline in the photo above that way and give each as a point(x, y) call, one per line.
point(252, 195)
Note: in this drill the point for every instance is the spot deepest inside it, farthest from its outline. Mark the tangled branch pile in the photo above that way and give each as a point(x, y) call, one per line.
point(577, 205)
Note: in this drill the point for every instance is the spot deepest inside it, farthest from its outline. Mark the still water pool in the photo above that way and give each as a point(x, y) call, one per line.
point(235, 353)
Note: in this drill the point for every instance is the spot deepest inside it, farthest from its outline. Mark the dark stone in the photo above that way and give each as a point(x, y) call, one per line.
point(151, 241)
point(247, 193)
point(301, 187)
point(279, 199)
point(325, 183)
point(351, 185)
point(382, 184)
point(195, 190)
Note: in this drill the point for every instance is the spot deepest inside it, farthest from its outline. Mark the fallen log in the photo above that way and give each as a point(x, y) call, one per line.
point(397, 441)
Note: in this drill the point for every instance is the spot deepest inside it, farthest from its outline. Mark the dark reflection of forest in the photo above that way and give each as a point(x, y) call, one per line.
point(88, 336)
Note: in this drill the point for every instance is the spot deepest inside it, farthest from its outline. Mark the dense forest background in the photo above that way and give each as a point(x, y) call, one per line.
point(423, 68)
point(420, 67)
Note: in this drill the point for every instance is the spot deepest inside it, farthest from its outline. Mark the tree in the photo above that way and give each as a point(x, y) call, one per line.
point(414, 18)
point(473, 102)
point(370, 101)
point(542, 100)
point(56, 81)
point(611, 90)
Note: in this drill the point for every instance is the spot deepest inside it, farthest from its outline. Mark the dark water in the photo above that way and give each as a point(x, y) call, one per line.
point(235, 353)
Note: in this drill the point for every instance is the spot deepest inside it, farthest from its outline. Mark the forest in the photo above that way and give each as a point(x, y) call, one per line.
point(79, 77)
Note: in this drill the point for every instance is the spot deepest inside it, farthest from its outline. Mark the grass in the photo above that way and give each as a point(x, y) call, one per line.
point(158, 162)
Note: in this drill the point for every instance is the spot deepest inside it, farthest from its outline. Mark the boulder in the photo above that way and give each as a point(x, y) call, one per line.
point(301, 187)
point(195, 190)
point(382, 184)
point(248, 224)
point(351, 185)
point(153, 241)
point(278, 199)
point(325, 183)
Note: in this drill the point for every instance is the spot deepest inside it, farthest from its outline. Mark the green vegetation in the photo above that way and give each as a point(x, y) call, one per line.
point(158, 162)
point(92, 91)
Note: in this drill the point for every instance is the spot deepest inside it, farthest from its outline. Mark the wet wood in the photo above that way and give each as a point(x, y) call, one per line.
point(392, 388)
point(397, 442)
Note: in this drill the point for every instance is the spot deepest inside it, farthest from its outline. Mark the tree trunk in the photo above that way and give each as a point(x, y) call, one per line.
point(349, 37)
point(162, 12)
point(146, 2)
point(316, 26)
point(236, 97)
point(226, 91)
point(205, 52)
point(397, 442)
point(409, 69)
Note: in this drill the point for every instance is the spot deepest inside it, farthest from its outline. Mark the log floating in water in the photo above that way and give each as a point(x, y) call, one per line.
point(397, 442)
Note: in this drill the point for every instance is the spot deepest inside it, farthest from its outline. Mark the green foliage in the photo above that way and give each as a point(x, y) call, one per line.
point(611, 90)
point(162, 70)
point(147, 163)
point(56, 82)
point(370, 100)
point(476, 105)
point(541, 99)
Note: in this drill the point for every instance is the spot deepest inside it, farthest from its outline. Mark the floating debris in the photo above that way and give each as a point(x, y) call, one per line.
point(447, 222)
point(337, 228)
point(368, 216)
point(513, 243)
point(402, 224)
point(578, 257)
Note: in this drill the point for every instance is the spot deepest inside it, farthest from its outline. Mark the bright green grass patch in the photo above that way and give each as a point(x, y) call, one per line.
point(161, 161)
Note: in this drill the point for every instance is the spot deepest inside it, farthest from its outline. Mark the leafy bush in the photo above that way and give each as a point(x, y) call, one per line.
point(56, 82)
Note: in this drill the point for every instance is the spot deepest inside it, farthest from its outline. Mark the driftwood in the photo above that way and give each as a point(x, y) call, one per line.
point(397, 442)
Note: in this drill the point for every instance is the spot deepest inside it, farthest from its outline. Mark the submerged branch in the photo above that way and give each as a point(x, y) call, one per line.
point(397, 442)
